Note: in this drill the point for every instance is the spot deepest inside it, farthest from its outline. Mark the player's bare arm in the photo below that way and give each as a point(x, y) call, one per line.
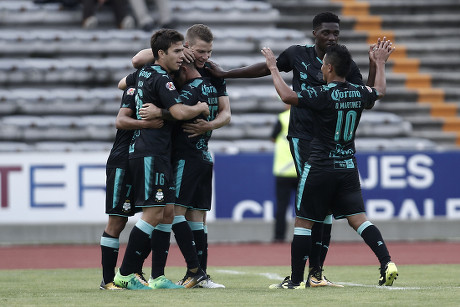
point(286, 94)
point(371, 75)
point(183, 112)
point(122, 84)
point(127, 122)
point(201, 126)
point(380, 54)
point(142, 57)
point(252, 71)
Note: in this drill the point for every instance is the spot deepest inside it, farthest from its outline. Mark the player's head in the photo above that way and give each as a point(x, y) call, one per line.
point(326, 30)
point(337, 60)
point(186, 72)
point(167, 48)
point(199, 38)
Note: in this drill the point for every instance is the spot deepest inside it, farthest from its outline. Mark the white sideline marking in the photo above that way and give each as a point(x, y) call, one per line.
point(275, 276)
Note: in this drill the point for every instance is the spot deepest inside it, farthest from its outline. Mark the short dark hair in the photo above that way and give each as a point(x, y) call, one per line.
point(325, 17)
point(163, 39)
point(340, 58)
point(199, 31)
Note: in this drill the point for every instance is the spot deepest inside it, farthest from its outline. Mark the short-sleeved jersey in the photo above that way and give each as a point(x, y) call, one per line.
point(198, 89)
point(337, 111)
point(154, 85)
point(118, 157)
point(218, 83)
point(306, 68)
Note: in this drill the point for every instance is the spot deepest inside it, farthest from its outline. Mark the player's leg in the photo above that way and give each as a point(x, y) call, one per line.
point(118, 207)
point(350, 204)
point(373, 238)
point(185, 241)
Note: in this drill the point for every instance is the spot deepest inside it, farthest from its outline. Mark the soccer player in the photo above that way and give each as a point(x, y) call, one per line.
point(150, 164)
point(119, 205)
point(305, 62)
point(199, 40)
point(330, 180)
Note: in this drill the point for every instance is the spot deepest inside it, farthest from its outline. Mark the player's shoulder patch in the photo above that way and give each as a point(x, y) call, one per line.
point(130, 91)
point(170, 86)
point(369, 88)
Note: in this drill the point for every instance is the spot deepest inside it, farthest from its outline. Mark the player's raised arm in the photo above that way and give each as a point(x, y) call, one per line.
point(380, 54)
point(286, 94)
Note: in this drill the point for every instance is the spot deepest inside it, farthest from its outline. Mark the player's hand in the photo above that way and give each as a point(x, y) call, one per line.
point(155, 123)
point(214, 69)
point(189, 57)
point(198, 127)
point(381, 43)
point(269, 57)
point(382, 51)
point(204, 107)
point(149, 111)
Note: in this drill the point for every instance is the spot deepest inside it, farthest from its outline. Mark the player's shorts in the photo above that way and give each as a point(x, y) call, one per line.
point(118, 196)
point(300, 151)
point(151, 179)
point(193, 179)
point(327, 190)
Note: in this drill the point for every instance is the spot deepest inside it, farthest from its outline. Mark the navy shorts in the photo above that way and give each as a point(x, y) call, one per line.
point(300, 151)
point(329, 190)
point(151, 181)
point(193, 187)
point(118, 195)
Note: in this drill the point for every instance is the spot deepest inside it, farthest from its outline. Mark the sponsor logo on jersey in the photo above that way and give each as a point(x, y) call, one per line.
point(130, 91)
point(170, 86)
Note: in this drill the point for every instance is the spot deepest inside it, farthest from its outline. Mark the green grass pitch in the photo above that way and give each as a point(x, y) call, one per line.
point(417, 285)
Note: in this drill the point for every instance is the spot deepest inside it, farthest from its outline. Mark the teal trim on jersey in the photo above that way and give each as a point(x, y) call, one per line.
point(205, 227)
point(179, 219)
point(145, 227)
point(148, 166)
point(363, 226)
point(179, 173)
point(119, 174)
point(196, 225)
point(321, 61)
point(303, 178)
point(309, 46)
point(110, 242)
point(295, 144)
point(328, 219)
point(196, 82)
point(164, 227)
point(159, 69)
point(300, 231)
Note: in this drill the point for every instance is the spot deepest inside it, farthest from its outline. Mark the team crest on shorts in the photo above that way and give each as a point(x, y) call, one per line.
point(159, 196)
point(127, 206)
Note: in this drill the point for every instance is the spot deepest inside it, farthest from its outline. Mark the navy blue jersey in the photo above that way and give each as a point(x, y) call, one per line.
point(195, 90)
point(118, 157)
point(337, 109)
point(306, 68)
point(155, 86)
point(218, 83)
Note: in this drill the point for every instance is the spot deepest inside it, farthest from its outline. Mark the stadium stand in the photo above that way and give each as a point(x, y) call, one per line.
point(59, 81)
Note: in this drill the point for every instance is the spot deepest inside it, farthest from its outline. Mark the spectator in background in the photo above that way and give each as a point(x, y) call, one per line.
point(120, 9)
point(145, 19)
point(284, 172)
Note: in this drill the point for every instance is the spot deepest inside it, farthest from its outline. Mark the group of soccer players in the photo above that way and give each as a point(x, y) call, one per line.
point(170, 168)
point(169, 165)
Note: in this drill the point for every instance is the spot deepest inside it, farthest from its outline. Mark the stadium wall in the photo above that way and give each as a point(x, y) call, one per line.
point(59, 197)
